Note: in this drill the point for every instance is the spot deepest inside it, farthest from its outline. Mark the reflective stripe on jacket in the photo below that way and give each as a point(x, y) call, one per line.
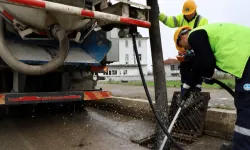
point(179, 21)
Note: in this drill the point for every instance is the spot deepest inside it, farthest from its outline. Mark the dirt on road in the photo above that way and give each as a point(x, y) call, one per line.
point(219, 98)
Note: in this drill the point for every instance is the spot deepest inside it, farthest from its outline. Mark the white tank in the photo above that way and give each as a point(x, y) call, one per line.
point(39, 18)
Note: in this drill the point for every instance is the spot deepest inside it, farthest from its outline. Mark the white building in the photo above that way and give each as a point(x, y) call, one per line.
point(171, 66)
point(172, 69)
point(126, 64)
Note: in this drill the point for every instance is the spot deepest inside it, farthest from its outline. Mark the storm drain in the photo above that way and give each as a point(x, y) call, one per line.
point(191, 121)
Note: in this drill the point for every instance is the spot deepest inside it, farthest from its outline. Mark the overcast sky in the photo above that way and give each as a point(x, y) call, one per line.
point(234, 11)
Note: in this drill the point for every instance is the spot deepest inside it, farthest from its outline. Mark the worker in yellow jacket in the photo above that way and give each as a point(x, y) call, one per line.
point(188, 17)
point(191, 18)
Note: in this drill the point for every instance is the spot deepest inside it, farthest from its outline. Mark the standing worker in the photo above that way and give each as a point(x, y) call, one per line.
point(226, 47)
point(189, 17)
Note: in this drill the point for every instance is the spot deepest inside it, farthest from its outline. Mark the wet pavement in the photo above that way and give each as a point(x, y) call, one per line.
point(90, 129)
point(48, 128)
point(206, 143)
point(219, 98)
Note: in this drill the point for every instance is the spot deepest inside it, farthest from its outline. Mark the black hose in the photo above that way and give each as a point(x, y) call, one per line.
point(224, 86)
point(133, 33)
point(57, 31)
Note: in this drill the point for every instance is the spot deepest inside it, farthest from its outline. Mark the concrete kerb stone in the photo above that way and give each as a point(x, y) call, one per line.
point(219, 122)
point(138, 108)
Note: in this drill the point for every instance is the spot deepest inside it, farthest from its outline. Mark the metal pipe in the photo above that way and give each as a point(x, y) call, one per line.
point(95, 25)
point(51, 6)
point(170, 128)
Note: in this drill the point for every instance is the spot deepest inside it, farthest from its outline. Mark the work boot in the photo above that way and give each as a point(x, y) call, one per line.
point(226, 146)
point(196, 89)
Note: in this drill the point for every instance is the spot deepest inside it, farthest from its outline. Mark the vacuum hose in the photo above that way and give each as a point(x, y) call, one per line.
point(224, 86)
point(21, 67)
point(133, 33)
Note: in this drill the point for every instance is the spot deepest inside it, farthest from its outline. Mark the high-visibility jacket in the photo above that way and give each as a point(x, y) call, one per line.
point(179, 21)
point(230, 45)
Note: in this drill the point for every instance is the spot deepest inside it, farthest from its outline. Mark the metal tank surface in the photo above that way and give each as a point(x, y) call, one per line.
point(39, 18)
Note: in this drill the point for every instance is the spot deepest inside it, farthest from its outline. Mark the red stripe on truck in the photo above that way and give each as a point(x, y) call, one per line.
point(2, 99)
point(87, 13)
point(136, 22)
point(6, 14)
point(96, 95)
point(35, 3)
point(37, 98)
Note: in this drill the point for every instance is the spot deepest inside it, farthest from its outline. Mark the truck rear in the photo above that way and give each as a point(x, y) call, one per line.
point(53, 50)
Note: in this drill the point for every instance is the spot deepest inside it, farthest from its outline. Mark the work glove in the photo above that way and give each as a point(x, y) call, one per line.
point(196, 89)
point(193, 89)
point(185, 92)
point(161, 16)
point(189, 55)
point(208, 81)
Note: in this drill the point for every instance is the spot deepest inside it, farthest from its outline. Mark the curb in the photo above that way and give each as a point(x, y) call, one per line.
point(219, 122)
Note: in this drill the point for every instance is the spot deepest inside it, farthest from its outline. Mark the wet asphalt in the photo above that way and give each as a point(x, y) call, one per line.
point(47, 128)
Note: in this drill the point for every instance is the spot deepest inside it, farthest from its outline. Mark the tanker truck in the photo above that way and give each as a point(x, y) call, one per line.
point(53, 50)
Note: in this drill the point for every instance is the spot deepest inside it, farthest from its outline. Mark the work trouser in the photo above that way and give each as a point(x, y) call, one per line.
point(241, 136)
point(185, 67)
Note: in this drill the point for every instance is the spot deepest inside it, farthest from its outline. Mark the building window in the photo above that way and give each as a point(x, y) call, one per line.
point(126, 43)
point(126, 58)
point(172, 67)
point(114, 72)
point(139, 43)
point(125, 72)
point(140, 57)
point(174, 74)
point(109, 72)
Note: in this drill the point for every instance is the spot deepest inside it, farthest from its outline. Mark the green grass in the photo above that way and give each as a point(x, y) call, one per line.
point(228, 82)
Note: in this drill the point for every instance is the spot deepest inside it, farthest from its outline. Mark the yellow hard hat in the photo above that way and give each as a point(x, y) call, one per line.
point(189, 7)
point(178, 32)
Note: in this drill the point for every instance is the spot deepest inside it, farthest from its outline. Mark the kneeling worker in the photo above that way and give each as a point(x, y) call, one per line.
point(226, 47)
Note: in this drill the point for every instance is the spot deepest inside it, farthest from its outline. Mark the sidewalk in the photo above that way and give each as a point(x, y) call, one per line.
point(219, 98)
